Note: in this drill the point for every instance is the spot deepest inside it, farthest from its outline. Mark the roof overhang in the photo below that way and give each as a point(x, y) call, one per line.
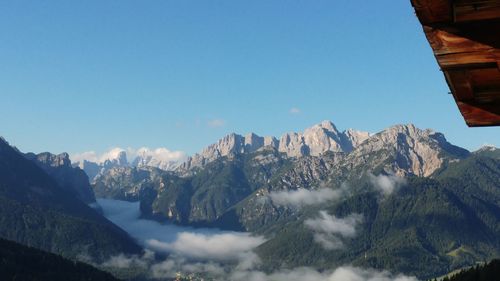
point(465, 38)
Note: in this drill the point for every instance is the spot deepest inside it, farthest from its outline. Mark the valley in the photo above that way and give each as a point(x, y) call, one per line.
point(403, 200)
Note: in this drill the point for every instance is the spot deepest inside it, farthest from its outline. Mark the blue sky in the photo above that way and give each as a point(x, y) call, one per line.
point(89, 75)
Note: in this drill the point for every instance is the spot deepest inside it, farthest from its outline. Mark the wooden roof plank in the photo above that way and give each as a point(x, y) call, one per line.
point(433, 11)
point(476, 10)
point(484, 58)
point(480, 114)
point(460, 85)
point(445, 41)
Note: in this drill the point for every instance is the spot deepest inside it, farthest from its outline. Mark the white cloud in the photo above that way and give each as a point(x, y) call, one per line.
point(88, 155)
point(158, 157)
point(161, 154)
point(295, 110)
point(216, 123)
point(223, 255)
point(329, 230)
point(183, 242)
point(113, 153)
point(304, 197)
point(92, 156)
point(220, 246)
point(345, 273)
point(386, 185)
point(169, 267)
point(123, 261)
point(162, 158)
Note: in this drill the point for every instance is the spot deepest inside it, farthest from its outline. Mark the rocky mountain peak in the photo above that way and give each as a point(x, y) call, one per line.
point(230, 144)
point(68, 177)
point(293, 145)
point(356, 137)
point(413, 150)
point(53, 160)
point(119, 159)
point(314, 141)
point(327, 125)
point(487, 147)
point(253, 142)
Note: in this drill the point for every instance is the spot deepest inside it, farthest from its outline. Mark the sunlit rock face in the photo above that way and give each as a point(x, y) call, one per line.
point(405, 149)
point(314, 141)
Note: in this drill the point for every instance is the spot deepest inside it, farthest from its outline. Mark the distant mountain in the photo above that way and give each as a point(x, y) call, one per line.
point(70, 178)
point(160, 158)
point(314, 141)
point(36, 211)
point(252, 163)
point(19, 262)
point(92, 169)
point(427, 206)
point(488, 150)
point(404, 150)
point(428, 227)
point(128, 183)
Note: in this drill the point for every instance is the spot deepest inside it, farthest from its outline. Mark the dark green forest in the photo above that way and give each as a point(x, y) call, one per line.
point(487, 272)
point(22, 263)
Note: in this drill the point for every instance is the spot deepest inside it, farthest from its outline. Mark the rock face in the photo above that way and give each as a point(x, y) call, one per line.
point(119, 161)
point(355, 138)
point(230, 145)
point(90, 168)
point(314, 141)
point(128, 183)
point(70, 178)
point(405, 150)
point(93, 169)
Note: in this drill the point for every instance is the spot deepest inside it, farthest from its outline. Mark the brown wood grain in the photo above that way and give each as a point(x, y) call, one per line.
point(465, 38)
point(470, 60)
point(433, 11)
point(476, 10)
point(460, 85)
point(479, 114)
point(445, 41)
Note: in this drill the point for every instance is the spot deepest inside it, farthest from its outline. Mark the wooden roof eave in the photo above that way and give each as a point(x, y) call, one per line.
point(466, 45)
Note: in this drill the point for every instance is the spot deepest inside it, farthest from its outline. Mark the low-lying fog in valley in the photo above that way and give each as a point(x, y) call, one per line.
point(223, 255)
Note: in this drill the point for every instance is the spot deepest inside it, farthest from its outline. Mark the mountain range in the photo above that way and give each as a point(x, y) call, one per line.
point(161, 158)
point(403, 199)
point(425, 206)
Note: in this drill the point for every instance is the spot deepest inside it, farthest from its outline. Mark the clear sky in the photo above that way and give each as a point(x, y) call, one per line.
point(89, 75)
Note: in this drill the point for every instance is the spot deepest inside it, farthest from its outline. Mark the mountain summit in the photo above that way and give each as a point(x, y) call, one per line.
point(313, 141)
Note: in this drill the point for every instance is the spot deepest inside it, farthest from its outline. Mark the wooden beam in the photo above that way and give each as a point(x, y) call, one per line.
point(465, 11)
point(460, 85)
point(476, 115)
point(487, 95)
point(433, 11)
point(485, 77)
point(484, 58)
point(446, 41)
point(465, 38)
